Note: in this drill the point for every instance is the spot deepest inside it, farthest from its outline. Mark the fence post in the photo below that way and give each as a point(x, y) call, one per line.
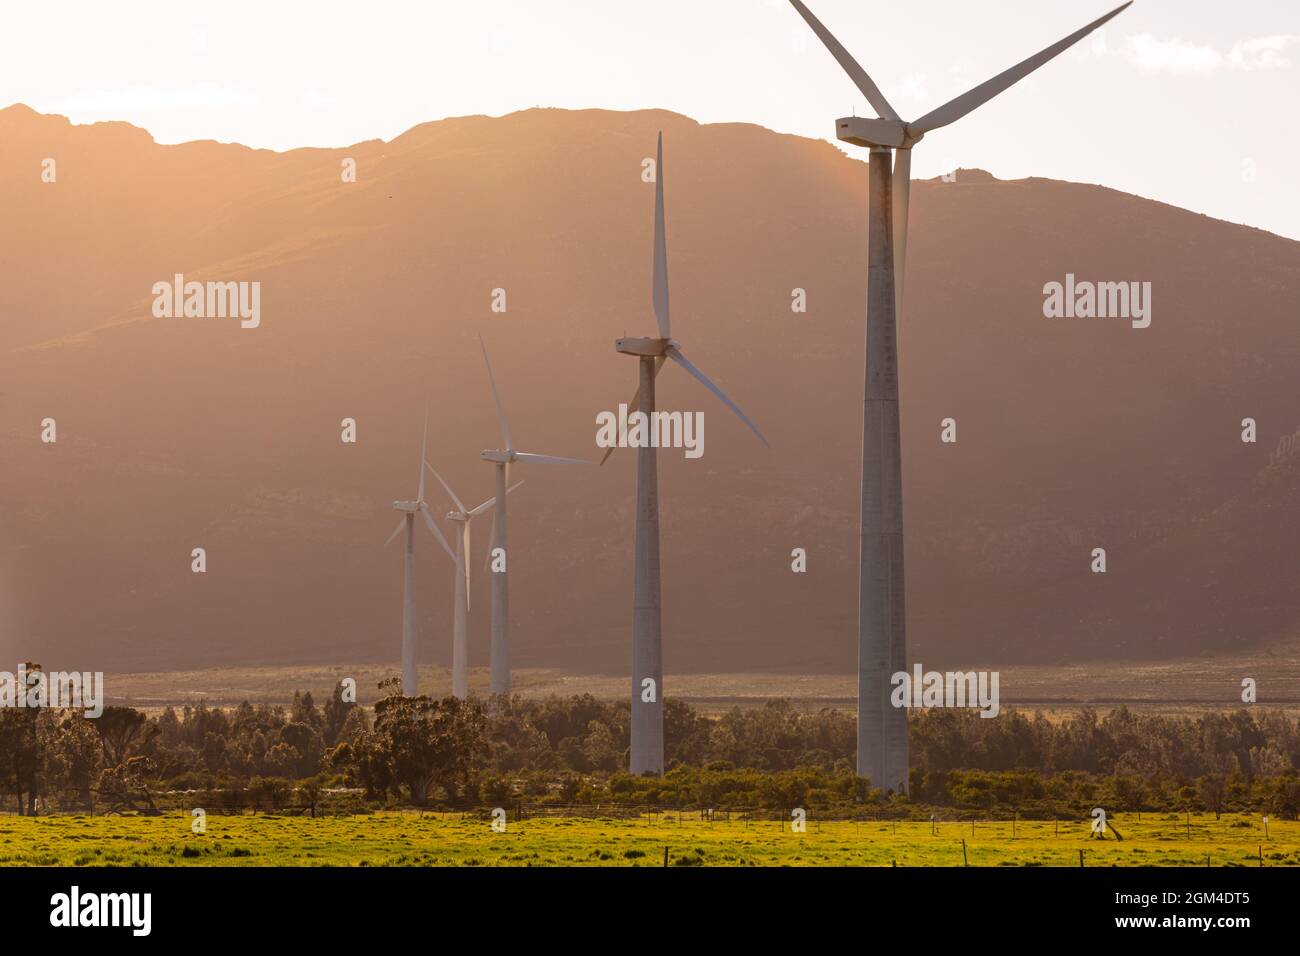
point(964, 860)
point(1080, 858)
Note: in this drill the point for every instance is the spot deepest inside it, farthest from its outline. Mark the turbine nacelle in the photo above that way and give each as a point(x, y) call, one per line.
point(410, 507)
point(882, 133)
point(650, 348)
point(497, 455)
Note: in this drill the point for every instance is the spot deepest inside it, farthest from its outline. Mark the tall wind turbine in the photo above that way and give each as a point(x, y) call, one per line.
point(460, 621)
point(647, 755)
point(882, 645)
point(410, 509)
point(502, 458)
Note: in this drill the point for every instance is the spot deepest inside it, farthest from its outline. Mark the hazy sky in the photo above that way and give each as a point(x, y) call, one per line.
point(1188, 101)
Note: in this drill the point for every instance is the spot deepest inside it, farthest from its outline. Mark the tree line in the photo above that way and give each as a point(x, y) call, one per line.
point(445, 752)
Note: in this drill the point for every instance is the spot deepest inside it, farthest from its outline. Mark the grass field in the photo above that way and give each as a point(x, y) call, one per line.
point(409, 839)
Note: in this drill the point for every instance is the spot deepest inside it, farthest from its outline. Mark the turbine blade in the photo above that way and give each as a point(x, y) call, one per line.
point(660, 293)
point(491, 502)
point(549, 459)
point(676, 355)
point(465, 544)
point(435, 530)
point(496, 397)
point(856, 73)
point(902, 191)
point(633, 405)
point(459, 505)
point(424, 441)
point(955, 109)
point(396, 531)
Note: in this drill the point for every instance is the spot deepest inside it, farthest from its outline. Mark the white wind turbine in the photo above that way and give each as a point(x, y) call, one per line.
point(502, 459)
point(882, 644)
point(410, 680)
point(460, 622)
point(647, 752)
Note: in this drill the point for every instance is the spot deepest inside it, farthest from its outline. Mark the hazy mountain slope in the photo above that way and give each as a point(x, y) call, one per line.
point(178, 433)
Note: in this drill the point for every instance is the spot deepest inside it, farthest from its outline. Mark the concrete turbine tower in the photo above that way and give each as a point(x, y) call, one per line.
point(498, 558)
point(410, 681)
point(882, 645)
point(460, 622)
point(647, 754)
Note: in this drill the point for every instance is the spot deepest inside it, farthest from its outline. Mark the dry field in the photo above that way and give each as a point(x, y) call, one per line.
point(1180, 687)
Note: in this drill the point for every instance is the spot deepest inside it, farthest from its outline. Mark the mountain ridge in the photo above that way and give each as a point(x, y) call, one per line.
point(173, 430)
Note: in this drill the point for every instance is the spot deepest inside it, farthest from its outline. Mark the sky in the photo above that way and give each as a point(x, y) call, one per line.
point(1190, 102)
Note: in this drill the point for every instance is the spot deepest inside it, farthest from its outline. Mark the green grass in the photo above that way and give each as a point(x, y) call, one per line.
point(408, 839)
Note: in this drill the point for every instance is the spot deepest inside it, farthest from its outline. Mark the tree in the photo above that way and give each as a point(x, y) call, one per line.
point(120, 784)
point(73, 756)
point(335, 717)
point(309, 791)
point(125, 732)
point(214, 752)
point(20, 756)
point(1213, 790)
point(307, 746)
point(420, 744)
point(268, 792)
point(304, 711)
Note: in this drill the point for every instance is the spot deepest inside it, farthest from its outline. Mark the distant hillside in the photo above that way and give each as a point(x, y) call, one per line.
point(181, 433)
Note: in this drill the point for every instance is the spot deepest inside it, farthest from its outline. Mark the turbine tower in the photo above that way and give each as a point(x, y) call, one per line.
point(647, 755)
point(410, 681)
point(503, 458)
point(882, 644)
point(460, 634)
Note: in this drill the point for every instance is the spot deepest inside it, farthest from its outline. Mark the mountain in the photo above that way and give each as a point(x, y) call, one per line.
point(179, 433)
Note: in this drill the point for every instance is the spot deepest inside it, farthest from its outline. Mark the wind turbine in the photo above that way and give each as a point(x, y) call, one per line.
point(882, 644)
point(460, 634)
point(502, 458)
point(410, 681)
point(647, 754)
